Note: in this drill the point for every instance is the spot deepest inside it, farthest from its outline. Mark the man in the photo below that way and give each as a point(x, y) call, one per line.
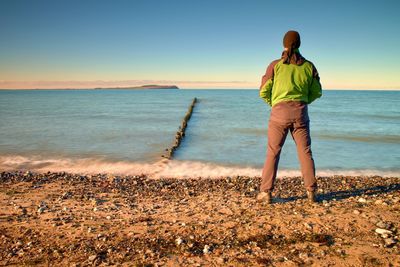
point(288, 86)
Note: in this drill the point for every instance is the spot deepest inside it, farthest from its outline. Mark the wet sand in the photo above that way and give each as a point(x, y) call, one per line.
point(75, 220)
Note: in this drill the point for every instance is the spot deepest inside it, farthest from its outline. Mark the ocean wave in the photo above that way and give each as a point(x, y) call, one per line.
point(159, 169)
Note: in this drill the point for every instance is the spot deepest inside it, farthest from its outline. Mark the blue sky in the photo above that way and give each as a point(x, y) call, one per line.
point(194, 44)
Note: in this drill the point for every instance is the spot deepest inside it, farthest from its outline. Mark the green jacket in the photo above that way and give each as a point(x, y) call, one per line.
point(298, 81)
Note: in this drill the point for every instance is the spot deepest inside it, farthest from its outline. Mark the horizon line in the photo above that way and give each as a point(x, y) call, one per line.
point(209, 88)
point(185, 84)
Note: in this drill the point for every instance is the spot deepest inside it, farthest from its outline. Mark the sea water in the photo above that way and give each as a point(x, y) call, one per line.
point(127, 131)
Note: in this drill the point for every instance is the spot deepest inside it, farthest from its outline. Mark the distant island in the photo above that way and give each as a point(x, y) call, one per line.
point(150, 86)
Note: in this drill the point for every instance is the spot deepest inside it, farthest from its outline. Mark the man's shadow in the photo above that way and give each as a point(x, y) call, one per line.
point(340, 195)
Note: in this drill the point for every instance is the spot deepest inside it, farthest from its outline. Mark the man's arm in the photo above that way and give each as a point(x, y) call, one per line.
point(315, 88)
point(267, 83)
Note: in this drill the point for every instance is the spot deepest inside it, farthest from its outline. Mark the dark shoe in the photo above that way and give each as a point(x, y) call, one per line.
point(312, 198)
point(265, 197)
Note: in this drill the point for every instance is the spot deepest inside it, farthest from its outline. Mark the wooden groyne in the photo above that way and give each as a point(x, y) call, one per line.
point(181, 132)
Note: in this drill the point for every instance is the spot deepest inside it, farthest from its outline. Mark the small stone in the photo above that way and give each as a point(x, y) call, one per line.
point(65, 195)
point(206, 249)
point(341, 252)
point(362, 200)
point(108, 217)
point(382, 231)
point(379, 202)
point(385, 235)
point(178, 241)
point(41, 210)
point(304, 256)
point(308, 226)
point(356, 212)
point(92, 257)
point(96, 201)
point(389, 242)
point(383, 225)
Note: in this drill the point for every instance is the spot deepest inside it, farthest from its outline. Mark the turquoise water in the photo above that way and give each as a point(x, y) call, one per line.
point(355, 131)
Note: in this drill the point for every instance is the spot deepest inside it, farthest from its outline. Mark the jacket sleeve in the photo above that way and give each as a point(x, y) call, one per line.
point(315, 88)
point(267, 83)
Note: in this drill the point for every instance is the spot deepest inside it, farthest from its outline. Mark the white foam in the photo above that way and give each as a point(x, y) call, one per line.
point(162, 168)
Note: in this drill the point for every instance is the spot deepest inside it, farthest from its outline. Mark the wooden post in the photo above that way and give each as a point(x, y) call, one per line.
point(181, 132)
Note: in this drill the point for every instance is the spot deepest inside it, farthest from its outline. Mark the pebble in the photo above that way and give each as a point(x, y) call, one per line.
point(383, 225)
point(385, 235)
point(206, 249)
point(341, 252)
point(41, 210)
point(308, 226)
point(178, 241)
point(362, 200)
point(96, 201)
point(304, 256)
point(326, 203)
point(92, 257)
point(389, 242)
point(356, 212)
point(382, 231)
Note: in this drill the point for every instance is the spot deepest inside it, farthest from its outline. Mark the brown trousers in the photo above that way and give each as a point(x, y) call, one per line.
point(289, 116)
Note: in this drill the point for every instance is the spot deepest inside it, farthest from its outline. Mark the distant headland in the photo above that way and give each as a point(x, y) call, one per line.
point(150, 86)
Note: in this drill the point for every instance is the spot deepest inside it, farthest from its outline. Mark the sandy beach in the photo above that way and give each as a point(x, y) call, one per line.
point(75, 220)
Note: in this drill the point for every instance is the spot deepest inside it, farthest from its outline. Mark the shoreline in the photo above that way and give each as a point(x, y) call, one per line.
point(63, 218)
point(163, 168)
